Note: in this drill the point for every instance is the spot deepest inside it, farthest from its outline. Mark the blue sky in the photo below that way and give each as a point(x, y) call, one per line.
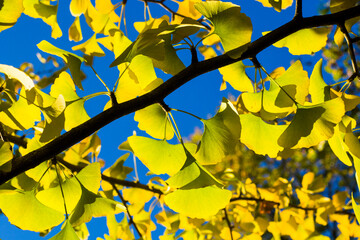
point(201, 96)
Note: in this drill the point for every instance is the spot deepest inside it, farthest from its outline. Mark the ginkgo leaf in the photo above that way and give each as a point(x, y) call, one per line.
point(118, 170)
point(340, 5)
point(75, 114)
point(10, 11)
point(141, 71)
point(53, 129)
point(73, 61)
point(45, 11)
point(64, 85)
point(75, 33)
point(92, 205)
point(305, 41)
point(14, 73)
point(312, 124)
point(278, 5)
point(343, 142)
point(78, 7)
point(199, 202)
point(98, 21)
point(186, 8)
point(90, 47)
point(67, 232)
point(259, 136)
point(16, 118)
point(220, 136)
point(236, 76)
point(192, 175)
point(233, 28)
point(53, 198)
point(154, 121)
point(55, 109)
point(318, 89)
point(160, 157)
point(90, 177)
point(34, 217)
point(6, 155)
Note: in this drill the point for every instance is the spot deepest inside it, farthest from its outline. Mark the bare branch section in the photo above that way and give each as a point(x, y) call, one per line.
point(84, 130)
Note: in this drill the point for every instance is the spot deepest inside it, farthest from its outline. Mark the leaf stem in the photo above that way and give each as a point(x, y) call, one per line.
point(229, 223)
point(131, 220)
point(178, 110)
point(62, 190)
point(176, 127)
point(97, 75)
point(351, 48)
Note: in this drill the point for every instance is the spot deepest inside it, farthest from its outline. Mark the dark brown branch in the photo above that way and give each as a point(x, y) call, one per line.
point(18, 140)
point(351, 49)
point(84, 130)
point(111, 180)
point(228, 223)
point(131, 220)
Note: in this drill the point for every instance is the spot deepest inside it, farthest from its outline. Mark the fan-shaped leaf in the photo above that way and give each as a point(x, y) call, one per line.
point(64, 85)
point(221, 134)
point(78, 7)
point(73, 61)
point(6, 155)
point(199, 202)
point(233, 28)
point(75, 114)
point(313, 124)
point(90, 47)
point(159, 157)
point(90, 177)
point(259, 136)
point(154, 121)
point(10, 11)
point(305, 41)
point(34, 217)
point(75, 33)
point(278, 5)
point(67, 233)
point(236, 76)
point(318, 89)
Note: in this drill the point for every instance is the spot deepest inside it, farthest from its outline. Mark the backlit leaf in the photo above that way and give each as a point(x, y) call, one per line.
point(313, 124)
point(158, 156)
point(75, 114)
point(356, 208)
point(67, 233)
point(233, 28)
point(14, 73)
point(73, 61)
point(92, 205)
point(90, 177)
point(318, 89)
point(6, 155)
point(259, 136)
point(52, 197)
point(154, 121)
point(75, 33)
point(10, 11)
point(64, 85)
point(55, 109)
point(186, 8)
point(35, 217)
point(236, 76)
point(45, 11)
point(78, 7)
point(90, 47)
point(199, 202)
point(118, 170)
point(278, 5)
point(221, 134)
point(305, 41)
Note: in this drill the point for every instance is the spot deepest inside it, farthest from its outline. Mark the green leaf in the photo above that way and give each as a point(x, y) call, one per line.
point(318, 89)
point(90, 177)
point(259, 136)
point(160, 157)
point(221, 134)
point(64, 85)
point(154, 121)
point(343, 142)
point(313, 124)
point(73, 61)
point(236, 76)
point(6, 155)
point(75, 114)
point(278, 5)
point(67, 233)
point(16, 118)
point(90, 47)
point(45, 11)
point(233, 28)
point(92, 205)
point(52, 197)
point(305, 41)
point(192, 175)
point(14, 73)
point(118, 170)
point(34, 217)
point(56, 108)
point(10, 11)
point(199, 202)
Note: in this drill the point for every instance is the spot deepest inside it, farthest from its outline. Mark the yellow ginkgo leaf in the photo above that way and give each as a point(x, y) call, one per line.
point(10, 11)
point(75, 33)
point(78, 7)
point(90, 47)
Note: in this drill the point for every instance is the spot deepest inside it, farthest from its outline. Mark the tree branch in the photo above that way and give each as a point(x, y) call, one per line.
point(351, 48)
point(228, 223)
point(68, 139)
point(298, 9)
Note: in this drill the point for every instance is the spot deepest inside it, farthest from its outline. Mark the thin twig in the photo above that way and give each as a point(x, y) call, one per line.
point(131, 220)
point(298, 9)
point(229, 223)
point(351, 49)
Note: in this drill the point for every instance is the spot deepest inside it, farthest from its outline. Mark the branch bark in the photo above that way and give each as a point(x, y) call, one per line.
point(65, 141)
